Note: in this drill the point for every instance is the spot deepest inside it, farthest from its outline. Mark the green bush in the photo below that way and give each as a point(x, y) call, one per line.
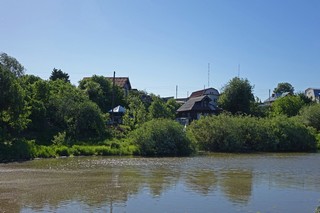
point(291, 135)
point(83, 150)
point(41, 151)
point(62, 151)
point(311, 115)
point(226, 133)
point(162, 137)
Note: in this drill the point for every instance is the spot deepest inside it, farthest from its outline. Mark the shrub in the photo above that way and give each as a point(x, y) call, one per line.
point(311, 115)
point(162, 137)
point(44, 152)
point(83, 150)
point(60, 139)
point(225, 133)
point(62, 151)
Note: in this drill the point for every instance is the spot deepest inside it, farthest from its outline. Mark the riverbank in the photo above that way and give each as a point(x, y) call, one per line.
point(26, 150)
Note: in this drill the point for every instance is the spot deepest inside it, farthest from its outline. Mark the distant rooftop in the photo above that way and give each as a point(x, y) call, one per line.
point(120, 81)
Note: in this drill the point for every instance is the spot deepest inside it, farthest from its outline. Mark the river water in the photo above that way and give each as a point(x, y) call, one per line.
point(211, 183)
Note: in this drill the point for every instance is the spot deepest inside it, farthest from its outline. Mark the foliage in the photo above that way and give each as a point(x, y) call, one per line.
point(226, 133)
point(159, 109)
point(70, 110)
point(89, 122)
point(283, 87)
point(162, 137)
point(136, 113)
point(11, 64)
point(60, 139)
point(172, 107)
point(288, 105)
point(237, 96)
point(311, 116)
point(17, 149)
point(58, 74)
point(305, 99)
point(13, 109)
point(99, 90)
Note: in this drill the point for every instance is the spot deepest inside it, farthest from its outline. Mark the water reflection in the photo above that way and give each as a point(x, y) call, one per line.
point(201, 181)
point(237, 185)
point(102, 183)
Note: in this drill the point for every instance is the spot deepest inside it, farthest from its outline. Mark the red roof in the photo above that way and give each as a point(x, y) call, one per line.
point(120, 81)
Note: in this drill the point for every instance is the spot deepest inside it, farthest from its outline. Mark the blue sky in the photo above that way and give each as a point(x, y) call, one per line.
point(159, 44)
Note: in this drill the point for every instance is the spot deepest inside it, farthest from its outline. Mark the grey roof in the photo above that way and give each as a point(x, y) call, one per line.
point(191, 105)
point(275, 97)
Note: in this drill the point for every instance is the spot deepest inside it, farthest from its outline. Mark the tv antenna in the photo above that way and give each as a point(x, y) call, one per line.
point(208, 75)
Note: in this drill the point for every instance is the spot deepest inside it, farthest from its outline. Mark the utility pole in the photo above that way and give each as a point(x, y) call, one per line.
point(113, 87)
point(176, 91)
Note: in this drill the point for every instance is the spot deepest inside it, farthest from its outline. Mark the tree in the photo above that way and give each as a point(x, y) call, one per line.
point(11, 64)
point(58, 74)
point(99, 90)
point(158, 109)
point(237, 96)
point(136, 113)
point(69, 109)
point(288, 105)
point(37, 96)
point(172, 106)
point(13, 110)
point(283, 87)
point(89, 122)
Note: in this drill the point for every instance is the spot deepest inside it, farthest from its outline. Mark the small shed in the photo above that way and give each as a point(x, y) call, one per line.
point(117, 114)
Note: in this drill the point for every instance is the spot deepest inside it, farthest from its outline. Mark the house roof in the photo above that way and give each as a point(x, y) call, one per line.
point(202, 92)
point(315, 91)
point(118, 109)
point(275, 97)
point(120, 81)
point(191, 105)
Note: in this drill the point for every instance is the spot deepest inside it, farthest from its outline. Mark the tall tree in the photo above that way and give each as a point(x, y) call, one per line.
point(70, 110)
point(58, 74)
point(11, 64)
point(283, 87)
point(159, 109)
point(13, 110)
point(172, 106)
point(136, 113)
point(99, 90)
point(237, 96)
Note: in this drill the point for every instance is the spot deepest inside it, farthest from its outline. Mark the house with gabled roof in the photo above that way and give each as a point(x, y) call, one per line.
point(313, 94)
point(212, 93)
point(122, 82)
point(196, 107)
point(268, 102)
point(200, 103)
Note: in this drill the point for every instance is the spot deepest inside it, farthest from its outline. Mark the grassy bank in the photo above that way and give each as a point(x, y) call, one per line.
point(26, 150)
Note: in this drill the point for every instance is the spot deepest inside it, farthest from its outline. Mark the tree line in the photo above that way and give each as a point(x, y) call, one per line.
point(48, 118)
